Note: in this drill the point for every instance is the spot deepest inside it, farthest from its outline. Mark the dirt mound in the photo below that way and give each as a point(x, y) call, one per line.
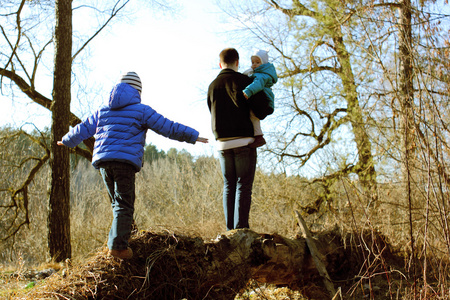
point(154, 271)
point(172, 266)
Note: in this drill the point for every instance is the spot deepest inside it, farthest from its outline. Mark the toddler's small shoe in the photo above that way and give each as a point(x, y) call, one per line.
point(122, 254)
point(259, 141)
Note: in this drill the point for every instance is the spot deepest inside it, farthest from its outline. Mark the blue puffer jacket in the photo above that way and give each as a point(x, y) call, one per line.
point(120, 127)
point(264, 77)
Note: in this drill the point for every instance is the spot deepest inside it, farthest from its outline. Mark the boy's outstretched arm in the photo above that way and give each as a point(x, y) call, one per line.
point(199, 139)
point(202, 140)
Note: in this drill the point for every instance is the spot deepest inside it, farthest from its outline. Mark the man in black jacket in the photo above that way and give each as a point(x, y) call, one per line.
point(233, 130)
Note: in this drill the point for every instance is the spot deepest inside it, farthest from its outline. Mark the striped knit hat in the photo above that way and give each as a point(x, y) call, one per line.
point(132, 79)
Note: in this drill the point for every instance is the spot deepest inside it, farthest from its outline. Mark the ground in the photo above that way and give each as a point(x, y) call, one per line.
point(171, 266)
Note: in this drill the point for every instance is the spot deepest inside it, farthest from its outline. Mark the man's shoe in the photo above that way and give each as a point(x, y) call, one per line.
point(259, 141)
point(122, 254)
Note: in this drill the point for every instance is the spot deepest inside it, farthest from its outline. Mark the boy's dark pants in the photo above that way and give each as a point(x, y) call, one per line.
point(119, 179)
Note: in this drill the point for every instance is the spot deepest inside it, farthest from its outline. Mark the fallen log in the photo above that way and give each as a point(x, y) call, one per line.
point(319, 259)
point(172, 266)
point(268, 258)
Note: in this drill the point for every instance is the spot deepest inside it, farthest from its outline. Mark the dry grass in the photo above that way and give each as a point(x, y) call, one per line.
point(167, 265)
point(186, 197)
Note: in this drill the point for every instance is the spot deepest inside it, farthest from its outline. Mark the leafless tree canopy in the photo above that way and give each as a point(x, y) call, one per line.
point(339, 103)
point(364, 91)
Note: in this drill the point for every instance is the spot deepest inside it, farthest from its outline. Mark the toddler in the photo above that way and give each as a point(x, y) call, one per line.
point(264, 77)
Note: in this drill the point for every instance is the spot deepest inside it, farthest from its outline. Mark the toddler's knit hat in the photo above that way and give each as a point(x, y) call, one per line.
point(263, 56)
point(132, 79)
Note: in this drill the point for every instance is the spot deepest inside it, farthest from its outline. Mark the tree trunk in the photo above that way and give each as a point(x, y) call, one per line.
point(59, 198)
point(406, 98)
point(365, 168)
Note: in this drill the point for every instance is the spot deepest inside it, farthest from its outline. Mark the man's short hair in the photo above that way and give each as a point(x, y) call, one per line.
point(229, 56)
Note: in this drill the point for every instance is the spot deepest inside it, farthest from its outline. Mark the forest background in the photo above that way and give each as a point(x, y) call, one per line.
point(359, 138)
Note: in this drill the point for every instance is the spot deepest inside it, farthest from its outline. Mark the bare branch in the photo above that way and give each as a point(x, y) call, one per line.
point(27, 89)
point(19, 197)
point(82, 152)
point(298, 9)
point(114, 12)
point(45, 102)
point(315, 69)
point(19, 33)
point(342, 172)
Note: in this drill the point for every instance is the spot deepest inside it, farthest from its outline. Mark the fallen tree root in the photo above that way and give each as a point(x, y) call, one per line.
point(170, 266)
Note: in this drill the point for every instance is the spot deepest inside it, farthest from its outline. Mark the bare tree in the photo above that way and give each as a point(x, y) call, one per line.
point(15, 210)
point(59, 195)
point(393, 57)
point(22, 69)
point(319, 83)
point(353, 70)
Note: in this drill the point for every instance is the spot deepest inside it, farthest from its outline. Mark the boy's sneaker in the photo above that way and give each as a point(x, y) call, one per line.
point(122, 254)
point(259, 141)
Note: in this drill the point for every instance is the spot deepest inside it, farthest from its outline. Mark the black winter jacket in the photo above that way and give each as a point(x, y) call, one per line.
point(230, 111)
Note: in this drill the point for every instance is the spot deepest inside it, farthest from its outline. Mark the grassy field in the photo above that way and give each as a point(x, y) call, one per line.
point(185, 196)
point(175, 195)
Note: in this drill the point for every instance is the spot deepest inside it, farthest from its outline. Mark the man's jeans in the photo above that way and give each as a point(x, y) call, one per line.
point(238, 169)
point(119, 179)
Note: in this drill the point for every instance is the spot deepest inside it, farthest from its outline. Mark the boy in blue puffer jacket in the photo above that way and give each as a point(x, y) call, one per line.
point(119, 128)
point(264, 77)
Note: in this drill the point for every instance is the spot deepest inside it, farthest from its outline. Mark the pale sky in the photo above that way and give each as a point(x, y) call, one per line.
point(176, 58)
